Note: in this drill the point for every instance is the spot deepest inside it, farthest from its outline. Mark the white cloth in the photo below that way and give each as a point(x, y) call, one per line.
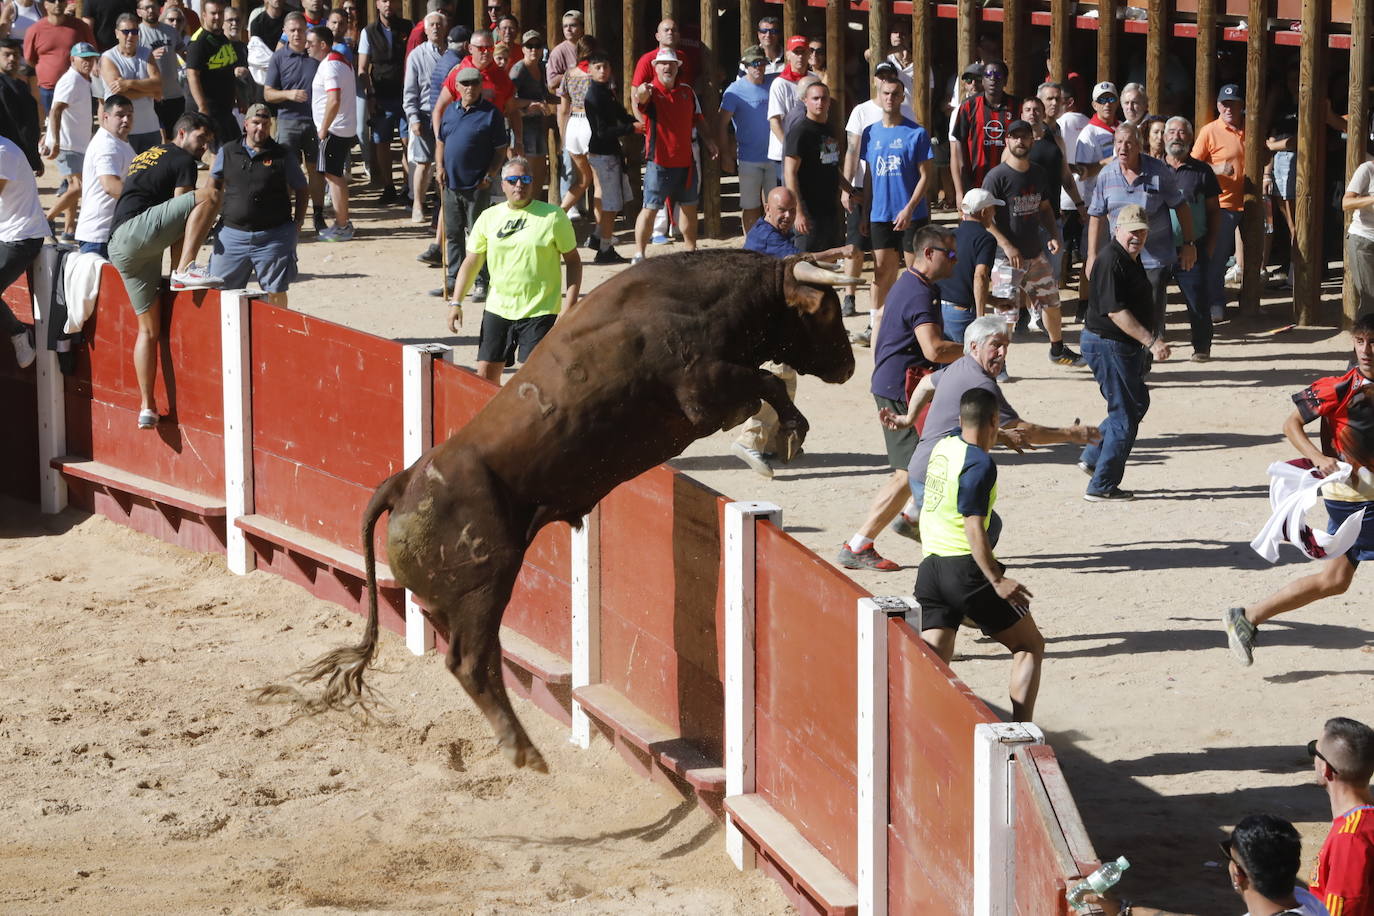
point(782, 99)
point(81, 286)
point(106, 155)
point(334, 75)
point(1093, 144)
point(1294, 487)
point(259, 56)
point(21, 215)
point(864, 114)
point(1362, 183)
point(1071, 123)
point(74, 90)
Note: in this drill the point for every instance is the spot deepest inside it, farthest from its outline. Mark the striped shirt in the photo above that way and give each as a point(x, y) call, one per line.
point(980, 128)
point(1344, 877)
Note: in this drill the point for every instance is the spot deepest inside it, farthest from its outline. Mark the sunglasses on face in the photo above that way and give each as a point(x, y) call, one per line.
point(995, 74)
point(514, 180)
point(1106, 100)
point(1226, 847)
point(949, 252)
point(769, 31)
point(1317, 755)
point(128, 31)
point(755, 63)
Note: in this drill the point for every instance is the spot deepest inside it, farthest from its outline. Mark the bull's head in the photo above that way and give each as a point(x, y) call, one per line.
point(814, 341)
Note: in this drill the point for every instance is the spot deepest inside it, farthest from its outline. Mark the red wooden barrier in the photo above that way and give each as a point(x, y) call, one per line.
point(805, 693)
point(931, 717)
point(17, 297)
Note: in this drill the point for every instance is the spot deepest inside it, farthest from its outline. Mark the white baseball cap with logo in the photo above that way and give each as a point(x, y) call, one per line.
point(977, 200)
point(1104, 88)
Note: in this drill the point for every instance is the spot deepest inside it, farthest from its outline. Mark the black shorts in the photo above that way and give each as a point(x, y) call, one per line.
point(826, 232)
point(882, 235)
point(948, 589)
point(853, 231)
point(901, 443)
point(168, 110)
point(333, 155)
point(500, 337)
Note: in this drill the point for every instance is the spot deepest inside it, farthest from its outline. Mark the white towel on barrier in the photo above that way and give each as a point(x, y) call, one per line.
point(81, 284)
point(1293, 489)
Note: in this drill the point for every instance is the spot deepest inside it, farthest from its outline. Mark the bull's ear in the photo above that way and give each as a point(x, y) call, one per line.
point(805, 299)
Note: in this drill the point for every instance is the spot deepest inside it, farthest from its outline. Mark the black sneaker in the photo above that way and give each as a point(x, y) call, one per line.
point(610, 256)
point(1114, 495)
point(1068, 357)
point(319, 223)
point(593, 243)
point(432, 256)
point(847, 307)
point(479, 292)
point(388, 196)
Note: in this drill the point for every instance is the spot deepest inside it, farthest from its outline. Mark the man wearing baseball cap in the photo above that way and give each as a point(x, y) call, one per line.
point(563, 57)
point(783, 98)
point(1119, 338)
point(69, 130)
point(1221, 145)
point(1093, 148)
point(964, 293)
point(264, 207)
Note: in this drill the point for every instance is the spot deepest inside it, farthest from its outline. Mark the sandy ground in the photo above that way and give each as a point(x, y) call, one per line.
point(140, 778)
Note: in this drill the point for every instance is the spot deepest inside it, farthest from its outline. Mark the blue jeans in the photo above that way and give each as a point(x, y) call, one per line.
point(1226, 246)
point(45, 96)
point(100, 248)
point(957, 319)
point(1193, 285)
point(1120, 372)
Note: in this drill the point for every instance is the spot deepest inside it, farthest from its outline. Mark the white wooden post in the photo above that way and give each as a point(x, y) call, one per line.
point(739, 661)
point(873, 616)
point(52, 405)
point(994, 814)
point(417, 389)
point(237, 368)
point(586, 619)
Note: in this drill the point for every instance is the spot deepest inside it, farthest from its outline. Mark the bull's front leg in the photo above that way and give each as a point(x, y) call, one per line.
point(724, 395)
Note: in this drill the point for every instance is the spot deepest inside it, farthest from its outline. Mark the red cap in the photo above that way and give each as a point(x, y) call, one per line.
point(797, 41)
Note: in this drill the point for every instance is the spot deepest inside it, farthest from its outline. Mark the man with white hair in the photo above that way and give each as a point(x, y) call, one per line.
point(418, 99)
point(1135, 104)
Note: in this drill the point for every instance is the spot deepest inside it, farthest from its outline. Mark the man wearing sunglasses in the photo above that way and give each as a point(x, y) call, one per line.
point(524, 241)
point(470, 145)
point(130, 71)
point(1343, 758)
point(770, 43)
point(980, 130)
point(1093, 147)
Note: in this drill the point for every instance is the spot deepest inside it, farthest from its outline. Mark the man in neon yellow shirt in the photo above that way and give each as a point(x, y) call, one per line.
point(959, 576)
point(523, 241)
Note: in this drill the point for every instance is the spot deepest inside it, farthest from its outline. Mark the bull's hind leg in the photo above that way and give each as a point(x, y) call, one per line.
point(474, 655)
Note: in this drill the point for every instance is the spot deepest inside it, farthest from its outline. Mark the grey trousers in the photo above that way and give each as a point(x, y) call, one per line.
point(461, 209)
point(1359, 264)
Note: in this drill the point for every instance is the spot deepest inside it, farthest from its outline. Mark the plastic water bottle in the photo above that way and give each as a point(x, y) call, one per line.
point(1097, 883)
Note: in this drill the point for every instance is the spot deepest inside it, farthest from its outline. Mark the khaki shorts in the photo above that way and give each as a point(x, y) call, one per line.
point(1035, 278)
point(137, 244)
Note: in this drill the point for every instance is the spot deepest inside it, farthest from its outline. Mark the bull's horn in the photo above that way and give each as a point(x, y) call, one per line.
point(812, 275)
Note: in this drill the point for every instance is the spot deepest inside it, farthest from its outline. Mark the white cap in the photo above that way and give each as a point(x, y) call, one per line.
point(1104, 88)
point(977, 200)
point(666, 54)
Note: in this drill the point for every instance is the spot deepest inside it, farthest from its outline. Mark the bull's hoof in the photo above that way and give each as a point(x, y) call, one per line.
point(528, 757)
point(790, 444)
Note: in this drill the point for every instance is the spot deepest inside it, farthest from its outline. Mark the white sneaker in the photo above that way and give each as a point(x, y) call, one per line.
point(754, 458)
point(1034, 322)
point(574, 213)
point(23, 349)
point(195, 276)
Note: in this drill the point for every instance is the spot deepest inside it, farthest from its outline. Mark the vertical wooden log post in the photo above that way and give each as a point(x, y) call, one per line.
point(967, 32)
point(1015, 38)
point(479, 14)
point(1106, 40)
point(518, 8)
point(710, 105)
point(1205, 95)
point(591, 22)
point(877, 34)
point(748, 24)
point(791, 18)
point(630, 12)
point(1359, 115)
point(1308, 213)
point(922, 24)
point(1256, 154)
point(553, 37)
point(835, 19)
point(1155, 41)
point(1061, 25)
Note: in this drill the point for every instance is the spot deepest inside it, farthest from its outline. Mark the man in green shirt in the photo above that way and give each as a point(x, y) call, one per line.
point(959, 576)
point(523, 241)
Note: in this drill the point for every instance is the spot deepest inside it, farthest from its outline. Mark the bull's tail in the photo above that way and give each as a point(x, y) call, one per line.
point(342, 669)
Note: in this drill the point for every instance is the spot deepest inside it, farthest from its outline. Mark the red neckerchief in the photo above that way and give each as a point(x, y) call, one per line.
point(1110, 128)
point(792, 76)
point(585, 66)
point(335, 55)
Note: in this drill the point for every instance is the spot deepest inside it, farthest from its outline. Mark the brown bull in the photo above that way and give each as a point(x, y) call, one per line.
point(661, 355)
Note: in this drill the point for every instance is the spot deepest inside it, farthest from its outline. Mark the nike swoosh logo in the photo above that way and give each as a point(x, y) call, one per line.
point(510, 228)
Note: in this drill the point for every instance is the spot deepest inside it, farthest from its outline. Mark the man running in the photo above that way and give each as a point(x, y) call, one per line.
point(1345, 405)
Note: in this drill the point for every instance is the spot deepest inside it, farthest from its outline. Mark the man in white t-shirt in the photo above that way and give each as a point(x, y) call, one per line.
point(102, 176)
point(22, 230)
point(334, 106)
point(1358, 201)
point(69, 131)
point(864, 114)
point(783, 98)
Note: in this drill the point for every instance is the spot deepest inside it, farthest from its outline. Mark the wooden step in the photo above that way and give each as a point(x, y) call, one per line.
point(313, 547)
point(811, 871)
point(113, 478)
point(654, 737)
point(547, 666)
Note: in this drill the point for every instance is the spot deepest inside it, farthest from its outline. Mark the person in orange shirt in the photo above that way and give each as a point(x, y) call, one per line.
point(1221, 145)
point(1343, 758)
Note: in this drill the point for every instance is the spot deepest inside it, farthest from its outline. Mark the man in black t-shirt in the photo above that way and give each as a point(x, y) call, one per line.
point(101, 16)
point(210, 81)
point(1119, 337)
point(161, 207)
point(268, 25)
point(811, 170)
point(1022, 267)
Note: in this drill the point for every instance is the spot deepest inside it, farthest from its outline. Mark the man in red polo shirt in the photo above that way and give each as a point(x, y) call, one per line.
point(668, 37)
point(1344, 760)
point(669, 110)
point(497, 87)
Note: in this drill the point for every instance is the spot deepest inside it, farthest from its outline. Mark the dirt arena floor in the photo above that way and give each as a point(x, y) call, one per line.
point(140, 779)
